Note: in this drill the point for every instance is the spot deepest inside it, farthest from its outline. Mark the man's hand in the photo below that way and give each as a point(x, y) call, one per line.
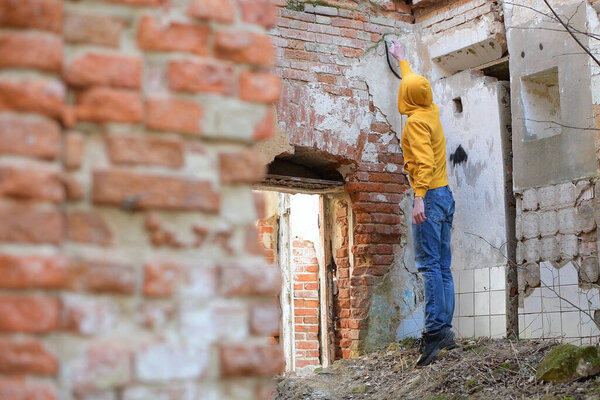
point(397, 50)
point(419, 211)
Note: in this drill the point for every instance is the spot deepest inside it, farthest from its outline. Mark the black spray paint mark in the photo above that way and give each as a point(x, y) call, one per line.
point(459, 156)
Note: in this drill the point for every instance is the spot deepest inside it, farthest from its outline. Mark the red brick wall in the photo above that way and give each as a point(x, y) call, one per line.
point(305, 269)
point(316, 48)
point(114, 207)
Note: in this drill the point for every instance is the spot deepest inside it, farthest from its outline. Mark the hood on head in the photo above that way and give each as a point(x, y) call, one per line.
point(415, 94)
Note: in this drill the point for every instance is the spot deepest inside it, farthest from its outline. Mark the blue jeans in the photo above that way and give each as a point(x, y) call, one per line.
point(433, 258)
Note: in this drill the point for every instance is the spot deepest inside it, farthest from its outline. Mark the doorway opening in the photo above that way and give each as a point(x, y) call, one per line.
point(305, 231)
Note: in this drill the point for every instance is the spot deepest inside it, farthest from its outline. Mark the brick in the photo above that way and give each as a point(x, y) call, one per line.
point(26, 357)
point(265, 129)
point(25, 50)
point(549, 248)
point(32, 14)
point(32, 272)
point(530, 199)
point(152, 36)
point(28, 314)
point(548, 223)
point(259, 12)
point(569, 247)
point(31, 183)
point(88, 315)
point(105, 70)
point(567, 222)
point(144, 191)
point(265, 318)
point(529, 222)
point(103, 366)
point(37, 138)
point(565, 193)
point(26, 225)
point(174, 115)
point(101, 104)
point(589, 270)
point(44, 97)
point(248, 280)
point(195, 77)
point(102, 276)
point(244, 48)
point(239, 360)
point(585, 218)
point(73, 150)
point(140, 150)
point(162, 362)
point(88, 227)
point(547, 196)
point(97, 29)
point(212, 10)
point(241, 167)
point(20, 389)
point(262, 87)
point(161, 279)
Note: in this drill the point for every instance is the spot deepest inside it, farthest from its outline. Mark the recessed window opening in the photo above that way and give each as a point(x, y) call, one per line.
point(540, 94)
point(458, 106)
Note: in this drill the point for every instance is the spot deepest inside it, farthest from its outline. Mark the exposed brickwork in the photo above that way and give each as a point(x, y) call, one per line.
point(305, 273)
point(113, 234)
point(316, 48)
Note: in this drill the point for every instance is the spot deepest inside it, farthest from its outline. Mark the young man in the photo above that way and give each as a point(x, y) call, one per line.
point(424, 150)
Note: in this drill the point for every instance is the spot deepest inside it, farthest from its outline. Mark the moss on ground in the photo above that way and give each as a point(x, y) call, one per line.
point(568, 362)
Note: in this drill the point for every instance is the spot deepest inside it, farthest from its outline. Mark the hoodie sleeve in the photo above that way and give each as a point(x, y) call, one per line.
point(419, 136)
point(404, 68)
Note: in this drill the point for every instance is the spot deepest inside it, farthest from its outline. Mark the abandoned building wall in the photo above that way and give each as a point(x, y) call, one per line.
point(555, 149)
point(326, 109)
point(124, 266)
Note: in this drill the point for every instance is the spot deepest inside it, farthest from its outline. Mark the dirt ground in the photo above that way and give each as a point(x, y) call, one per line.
point(483, 369)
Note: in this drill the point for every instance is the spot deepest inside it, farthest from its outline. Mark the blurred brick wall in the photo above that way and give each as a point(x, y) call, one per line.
point(128, 264)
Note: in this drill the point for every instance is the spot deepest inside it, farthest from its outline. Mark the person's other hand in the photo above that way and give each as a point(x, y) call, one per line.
point(397, 50)
point(419, 211)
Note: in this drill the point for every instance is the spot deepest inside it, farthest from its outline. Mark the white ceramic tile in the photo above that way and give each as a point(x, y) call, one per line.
point(466, 281)
point(466, 327)
point(532, 326)
point(465, 304)
point(533, 302)
point(497, 278)
point(550, 300)
point(481, 280)
point(482, 303)
point(482, 326)
point(498, 326)
point(521, 325)
point(456, 278)
point(569, 298)
point(548, 274)
point(498, 302)
point(455, 321)
point(588, 326)
point(589, 299)
point(552, 325)
point(568, 274)
point(571, 324)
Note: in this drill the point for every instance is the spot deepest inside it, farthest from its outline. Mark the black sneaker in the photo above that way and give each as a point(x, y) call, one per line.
point(450, 344)
point(433, 343)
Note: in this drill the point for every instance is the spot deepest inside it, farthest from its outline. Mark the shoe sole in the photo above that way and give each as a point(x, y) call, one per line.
point(444, 342)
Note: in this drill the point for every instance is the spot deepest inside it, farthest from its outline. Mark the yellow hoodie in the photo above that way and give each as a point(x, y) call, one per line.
point(423, 141)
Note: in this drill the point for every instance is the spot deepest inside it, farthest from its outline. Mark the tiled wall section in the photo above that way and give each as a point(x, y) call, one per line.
point(557, 255)
point(480, 308)
point(560, 308)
